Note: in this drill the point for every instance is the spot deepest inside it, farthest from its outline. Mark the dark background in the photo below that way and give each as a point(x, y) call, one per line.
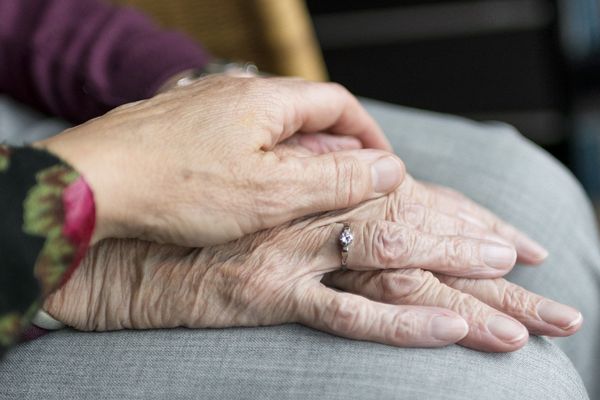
point(531, 63)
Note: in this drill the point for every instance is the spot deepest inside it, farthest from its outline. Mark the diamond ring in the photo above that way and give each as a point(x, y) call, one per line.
point(346, 238)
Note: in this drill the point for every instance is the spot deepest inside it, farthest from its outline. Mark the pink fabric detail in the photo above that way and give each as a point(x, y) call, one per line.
point(80, 220)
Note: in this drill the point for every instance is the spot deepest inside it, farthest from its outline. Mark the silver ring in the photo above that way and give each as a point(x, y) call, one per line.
point(346, 238)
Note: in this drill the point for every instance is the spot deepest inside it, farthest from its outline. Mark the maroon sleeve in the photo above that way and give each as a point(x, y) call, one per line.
point(79, 58)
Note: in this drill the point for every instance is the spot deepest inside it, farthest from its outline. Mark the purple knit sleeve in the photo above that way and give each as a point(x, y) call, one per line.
point(80, 58)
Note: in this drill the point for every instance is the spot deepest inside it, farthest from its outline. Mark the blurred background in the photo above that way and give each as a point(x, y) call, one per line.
point(534, 64)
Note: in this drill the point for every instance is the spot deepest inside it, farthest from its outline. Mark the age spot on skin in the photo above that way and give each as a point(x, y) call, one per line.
point(186, 174)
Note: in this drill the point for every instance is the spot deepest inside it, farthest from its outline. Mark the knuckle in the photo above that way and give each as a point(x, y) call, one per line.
point(459, 253)
point(391, 245)
point(342, 314)
point(407, 325)
point(381, 248)
point(514, 301)
point(351, 185)
point(400, 286)
point(463, 304)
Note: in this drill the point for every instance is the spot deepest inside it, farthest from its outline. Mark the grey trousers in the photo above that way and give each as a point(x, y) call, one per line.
point(492, 164)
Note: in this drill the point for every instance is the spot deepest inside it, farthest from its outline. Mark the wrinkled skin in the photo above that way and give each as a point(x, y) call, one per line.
point(195, 166)
point(286, 274)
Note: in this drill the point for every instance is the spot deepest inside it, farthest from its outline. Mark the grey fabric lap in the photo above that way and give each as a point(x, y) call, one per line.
point(283, 362)
point(289, 362)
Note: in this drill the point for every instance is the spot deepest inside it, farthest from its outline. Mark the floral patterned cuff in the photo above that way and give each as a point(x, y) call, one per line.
point(48, 217)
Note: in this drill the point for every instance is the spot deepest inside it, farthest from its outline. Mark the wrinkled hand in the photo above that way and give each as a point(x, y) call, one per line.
point(500, 314)
point(427, 207)
point(276, 276)
point(194, 166)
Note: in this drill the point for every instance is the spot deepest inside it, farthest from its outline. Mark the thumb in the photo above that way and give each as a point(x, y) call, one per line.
point(338, 180)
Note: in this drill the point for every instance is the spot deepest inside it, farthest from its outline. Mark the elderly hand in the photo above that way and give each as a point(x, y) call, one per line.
point(275, 276)
point(194, 166)
point(427, 207)
point(491, 307)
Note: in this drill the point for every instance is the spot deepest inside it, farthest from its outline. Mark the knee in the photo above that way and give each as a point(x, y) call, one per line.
point(521, 162)
point(539, 370)
point(524, 172)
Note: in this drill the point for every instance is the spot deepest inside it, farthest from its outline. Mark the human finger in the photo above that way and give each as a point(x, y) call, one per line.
point(299, 185)
point(489, 329)
point(356, 317)
point(389, 245)
point(430, 220)
point(540, 315)
point(324, 107)
point(454, 203)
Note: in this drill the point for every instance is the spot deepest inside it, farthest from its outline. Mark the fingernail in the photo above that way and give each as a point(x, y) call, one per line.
point(559, 315)
point(448, 329)
point(530, 249)
point(387, 173)
point(498, 256)
point(506, 329)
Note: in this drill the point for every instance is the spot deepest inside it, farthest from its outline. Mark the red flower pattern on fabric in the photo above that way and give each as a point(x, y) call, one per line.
point(80, 220)
point(58, 207)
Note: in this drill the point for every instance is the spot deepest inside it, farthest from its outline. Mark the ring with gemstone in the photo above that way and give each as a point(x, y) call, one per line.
point(346, 238)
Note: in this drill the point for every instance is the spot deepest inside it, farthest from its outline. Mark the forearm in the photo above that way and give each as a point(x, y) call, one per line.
point(48, 216)
point(79, 58)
